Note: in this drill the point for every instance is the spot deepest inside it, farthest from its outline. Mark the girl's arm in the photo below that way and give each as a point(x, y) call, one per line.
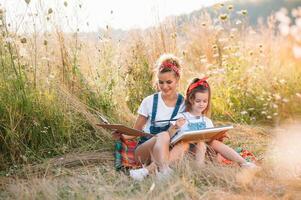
point(175, 127)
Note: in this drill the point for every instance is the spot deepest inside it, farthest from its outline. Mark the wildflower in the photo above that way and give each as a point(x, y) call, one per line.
point(282, 17)
point(23, 52)
point(238, 22)
point(9, 40)
point(251, 109)
point(223, 17)
point(285, 100)
point(203, 60)
point(269, 117)
point(282, 81)
point(237, 54)
point(275, 105)
point(263, 112)
point(297, 51)
point(23, 40)
point(277, 96)
point(243, 112)
point(284, 29)
point(275, 114)
point(219, 28)
point(24, 158)
point(298, 95)
point(50, 11)
point(173, 35)
point(243, 12)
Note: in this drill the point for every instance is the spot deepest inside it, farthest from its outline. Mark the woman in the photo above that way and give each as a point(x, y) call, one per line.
point(154, 152)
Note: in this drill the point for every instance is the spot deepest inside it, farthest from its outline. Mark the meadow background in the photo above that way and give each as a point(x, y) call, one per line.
point(55, 86)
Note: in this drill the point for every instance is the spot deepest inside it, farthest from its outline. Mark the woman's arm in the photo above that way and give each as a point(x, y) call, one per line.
point(140, 122)
point(139, 125)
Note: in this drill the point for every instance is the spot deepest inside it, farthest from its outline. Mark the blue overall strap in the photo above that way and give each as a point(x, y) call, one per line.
point(177, 107)
point(154, 109)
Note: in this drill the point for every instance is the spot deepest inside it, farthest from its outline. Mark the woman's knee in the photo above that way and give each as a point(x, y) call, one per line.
point(163, 137)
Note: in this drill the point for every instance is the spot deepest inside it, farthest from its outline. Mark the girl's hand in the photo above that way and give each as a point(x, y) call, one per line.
point(180, 122)
point(222, 136)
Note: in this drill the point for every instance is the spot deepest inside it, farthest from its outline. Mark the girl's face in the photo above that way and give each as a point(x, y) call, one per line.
point(167, 83)
point(199, 103)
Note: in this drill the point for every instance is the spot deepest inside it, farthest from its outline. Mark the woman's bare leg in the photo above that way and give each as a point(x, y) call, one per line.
point(155, 149)
point(227, 152)
point(160, 151)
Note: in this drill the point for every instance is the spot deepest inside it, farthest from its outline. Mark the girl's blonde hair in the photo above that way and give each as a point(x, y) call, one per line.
point(190, 95)
point(168, 63)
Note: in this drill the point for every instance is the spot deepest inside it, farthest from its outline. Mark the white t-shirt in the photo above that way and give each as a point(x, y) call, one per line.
point(193, 123)
point(163, 111)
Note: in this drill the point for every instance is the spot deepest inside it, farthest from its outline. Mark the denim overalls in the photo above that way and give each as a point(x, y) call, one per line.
point(196, 125)
point(156, 129)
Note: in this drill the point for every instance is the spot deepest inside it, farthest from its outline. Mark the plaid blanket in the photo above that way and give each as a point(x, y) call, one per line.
point(124, 154)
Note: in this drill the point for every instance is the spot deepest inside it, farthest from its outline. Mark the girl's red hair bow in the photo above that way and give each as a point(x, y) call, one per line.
point(202, 82)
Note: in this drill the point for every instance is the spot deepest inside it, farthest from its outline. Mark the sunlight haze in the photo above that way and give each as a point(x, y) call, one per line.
point(90, 15)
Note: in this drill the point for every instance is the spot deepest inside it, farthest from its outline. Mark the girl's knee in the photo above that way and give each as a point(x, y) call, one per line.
point(214, 143)
point(185, 145)
point(201, 145)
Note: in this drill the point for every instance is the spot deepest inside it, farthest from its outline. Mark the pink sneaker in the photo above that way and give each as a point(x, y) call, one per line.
point(248, 165)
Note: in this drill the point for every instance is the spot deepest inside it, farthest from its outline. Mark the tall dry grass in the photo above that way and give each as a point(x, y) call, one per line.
point(55, 86)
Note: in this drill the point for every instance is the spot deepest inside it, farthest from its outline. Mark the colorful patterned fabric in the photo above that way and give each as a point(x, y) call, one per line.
point(124, 154)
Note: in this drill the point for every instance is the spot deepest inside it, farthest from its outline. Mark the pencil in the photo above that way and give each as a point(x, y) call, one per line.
point(166, 120)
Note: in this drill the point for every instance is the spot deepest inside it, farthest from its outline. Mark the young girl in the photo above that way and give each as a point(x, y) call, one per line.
point(197, 103)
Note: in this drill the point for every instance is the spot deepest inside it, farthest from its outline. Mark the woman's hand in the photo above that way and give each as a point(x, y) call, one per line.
point(116, 135)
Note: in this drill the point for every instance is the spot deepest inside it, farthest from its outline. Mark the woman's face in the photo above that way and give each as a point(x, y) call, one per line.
point(168, 83)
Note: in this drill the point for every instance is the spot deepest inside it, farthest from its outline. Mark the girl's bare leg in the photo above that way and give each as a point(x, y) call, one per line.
point(227, 152)
point(200, 153)
point(178, 151)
